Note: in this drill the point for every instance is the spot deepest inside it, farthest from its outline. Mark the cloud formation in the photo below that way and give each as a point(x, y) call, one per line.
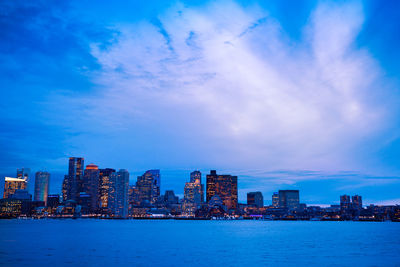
point(232, 78)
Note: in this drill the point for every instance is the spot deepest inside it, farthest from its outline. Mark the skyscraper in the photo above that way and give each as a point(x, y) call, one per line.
point(225, 186)
point(148, 186)
point(289, 199)
point(12, 184)
point(255, 199)
point(42, 181)
point(104, 184)
point(195, 177)
point(345, 202)
point(90, 185)
point(356, 202)
point(193, 194)
point(118, 194)
point(72, 184)
point(275, 200)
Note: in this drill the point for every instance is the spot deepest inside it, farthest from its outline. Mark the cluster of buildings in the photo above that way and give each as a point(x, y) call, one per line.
point(106, 193)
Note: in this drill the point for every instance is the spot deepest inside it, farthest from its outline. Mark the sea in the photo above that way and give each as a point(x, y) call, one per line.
point(96, 242)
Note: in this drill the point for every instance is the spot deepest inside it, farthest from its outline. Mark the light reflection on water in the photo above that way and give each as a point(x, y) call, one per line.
point(94, 242)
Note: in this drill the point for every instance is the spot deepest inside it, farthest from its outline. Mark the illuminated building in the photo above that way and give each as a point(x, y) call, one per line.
point(356, 202)
point(195, 177)
point(225, 186)
point(275, 200)
point(170, 198)
point(255, 199)
point(104, 185)
point(345, 202)
point(12, 184)
point(72, 184)
point(118, 194)
point(289, 199)
point(148, 186)
point(90, 186)
point(24, 173)
point(193, 193)
point(10, 207)
point(42, 180)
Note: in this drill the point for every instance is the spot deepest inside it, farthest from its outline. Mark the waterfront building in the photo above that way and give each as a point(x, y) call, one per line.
point(275, 200)
point(24, 173)
point(225, 186)
point(12, 184)
point(72, 184)
point(193, 194)
point(21, 194)
point(148, 186)
point(42, 180)
point(356, 202)
point(195, 177)
point(90, 186)
point(289, 199)
point(118, 194)
point(104, 185)
point(345, 203)
point(255, 199)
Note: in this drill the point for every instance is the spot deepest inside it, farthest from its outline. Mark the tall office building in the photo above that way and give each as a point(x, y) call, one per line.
point(90, 186)
point(148, 186)
point(255, 199)
point(42, 181)
point(345, 202)
point(289, 199)
point(225, 186)
point(13, 184)
point(72, 184)
point(104, 185)
point(193, 193)
point(195, 177)
point(275, 200)
point(356, 202)
point(118, 194)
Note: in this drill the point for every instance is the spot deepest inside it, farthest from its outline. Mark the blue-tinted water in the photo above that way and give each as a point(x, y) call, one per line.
point(175, 243)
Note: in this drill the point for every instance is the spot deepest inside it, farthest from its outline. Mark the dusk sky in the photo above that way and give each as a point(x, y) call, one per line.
point(285, 94)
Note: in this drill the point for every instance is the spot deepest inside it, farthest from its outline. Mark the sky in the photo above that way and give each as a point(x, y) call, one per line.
point(285, 94)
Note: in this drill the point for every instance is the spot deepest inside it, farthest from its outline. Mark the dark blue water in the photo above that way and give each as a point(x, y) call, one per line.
point(200, 243)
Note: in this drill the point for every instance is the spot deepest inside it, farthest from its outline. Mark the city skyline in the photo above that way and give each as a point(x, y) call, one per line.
point(300, 96)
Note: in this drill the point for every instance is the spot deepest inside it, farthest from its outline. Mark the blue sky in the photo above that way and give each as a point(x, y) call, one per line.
point(285, 94)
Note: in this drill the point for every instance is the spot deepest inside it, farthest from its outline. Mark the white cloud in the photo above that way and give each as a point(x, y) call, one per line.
point(232, 78)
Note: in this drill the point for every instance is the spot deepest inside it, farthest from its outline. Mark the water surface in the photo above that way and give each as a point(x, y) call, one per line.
point(91, 242)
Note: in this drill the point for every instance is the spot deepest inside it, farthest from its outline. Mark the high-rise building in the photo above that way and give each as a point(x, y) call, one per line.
point(72, 184)
point(255, 199)
point(104, 185)
point(170, 198)
point(225, 186)
point(193, 193)
point(42, 180)
point(195, 177)
point(356, 202)
point(12, 184)
point(90, 186)
point(345, 202)
point(275, 200)
point(118, 194)
point(148, 186)
point(289, 199)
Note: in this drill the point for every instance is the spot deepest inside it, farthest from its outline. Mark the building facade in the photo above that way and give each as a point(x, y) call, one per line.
point(275, 200)
point(104, 186)
point(90, 186)
point(72, 184)
point(118, 194)
point(225, 186)
point(289, 199)
point(148, 186)
point(255, 199)
point(42, 183)
point(13, 184)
